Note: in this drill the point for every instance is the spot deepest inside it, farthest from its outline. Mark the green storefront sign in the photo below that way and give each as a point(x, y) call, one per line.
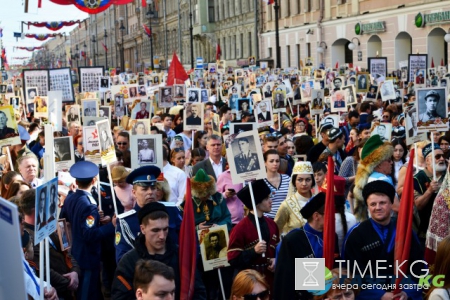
point(369, 28)
point(431, 19)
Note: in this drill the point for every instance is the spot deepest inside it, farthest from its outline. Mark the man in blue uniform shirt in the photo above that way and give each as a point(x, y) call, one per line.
point(80, 209)
point(144, 181)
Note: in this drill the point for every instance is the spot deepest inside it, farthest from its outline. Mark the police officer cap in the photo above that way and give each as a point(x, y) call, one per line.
point(432, 93)
point(84, 170)
point(260, 192)
point(379, 186)
point(313, 205)
point(149, 208)
point(144, 176)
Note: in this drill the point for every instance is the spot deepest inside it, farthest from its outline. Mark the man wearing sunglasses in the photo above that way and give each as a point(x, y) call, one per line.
point(425, 188)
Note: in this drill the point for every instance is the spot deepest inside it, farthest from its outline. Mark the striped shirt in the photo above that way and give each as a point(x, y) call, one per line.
point(279, 194)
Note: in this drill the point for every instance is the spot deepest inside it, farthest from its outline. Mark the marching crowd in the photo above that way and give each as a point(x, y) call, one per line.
point(134, 254)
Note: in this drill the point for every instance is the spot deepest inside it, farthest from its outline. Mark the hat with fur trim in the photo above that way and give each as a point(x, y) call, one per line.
point(374, 152)
point(203, 185)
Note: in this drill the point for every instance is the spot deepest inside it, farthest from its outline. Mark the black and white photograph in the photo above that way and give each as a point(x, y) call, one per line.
point(331, 119)
point(384, 130)
point(140, 127)
point(317, 102)
point(416, 62)
point(193, 117)
point(411, 129)
point(337, 83)
point(89, 107)
point(3, 88)
point(45, 221)
point(31, 93)
point(241, 127)
point(166, 97)
point(432, 109)
point(142, 90)
point(339, 101)
point(267, 90)
point(213, 247)
point(263, 113)
point(363, 82)
point(107, 151)
point(91, 145)
point(64, 153)
point(61, 80)
point(72, 113)
point(141, 110)
point(91, 121)
point(245, 156)
point(41, 107)
point(193, 95)
point(377, 66)
point(350, 94)
point(15, 102)
point(204, 95)
point(38, 79)
point(132, 92)
point(279, 99)
point(372, 93)
point(63, 235)
point(146, 150)
point(387, 91)
point(90, 78)
point(104, 84)
point(104, 112)
point(119, 105)
point(180, 91)
point(244, 106)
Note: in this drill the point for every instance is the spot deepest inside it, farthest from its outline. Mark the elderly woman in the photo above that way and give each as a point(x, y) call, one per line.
point(122, 188)
point(302, 181)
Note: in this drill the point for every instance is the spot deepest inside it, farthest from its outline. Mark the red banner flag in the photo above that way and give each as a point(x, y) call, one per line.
point(188, 247)
point(329, 232)
point(147, 30)
point(176, 74)
point(432, 63)
point(104, 47)
point(218, 51)
point(404, 225)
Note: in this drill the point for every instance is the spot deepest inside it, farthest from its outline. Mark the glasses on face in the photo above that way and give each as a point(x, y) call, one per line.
point(344, 295)
point(273, 134)
point(438, 156)
point(264, 295)
point(122, 143)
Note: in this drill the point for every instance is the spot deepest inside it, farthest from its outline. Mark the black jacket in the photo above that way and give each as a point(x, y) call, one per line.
point(126, 267)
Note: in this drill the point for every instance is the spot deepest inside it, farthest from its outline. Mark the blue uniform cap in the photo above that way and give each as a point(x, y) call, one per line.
point(84, 170)
point(144, 176)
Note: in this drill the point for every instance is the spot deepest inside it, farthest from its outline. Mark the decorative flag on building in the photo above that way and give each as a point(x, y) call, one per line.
point(147, 30)
point(269, 2)
point(91, 7)
point(218, 52)
point(104, 47)
point(54, 25)
point(432, 62)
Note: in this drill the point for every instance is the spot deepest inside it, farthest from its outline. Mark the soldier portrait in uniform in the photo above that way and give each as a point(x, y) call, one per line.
point(146, 155)
point(432, 108)
point(73, 113)
point(384, 130)
point(145, 151)
point(5, 130)
point(246, 160)
point(216, 248)
point(41, 211)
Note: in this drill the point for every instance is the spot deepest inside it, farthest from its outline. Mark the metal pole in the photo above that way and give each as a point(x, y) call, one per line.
point(191, 29)
point(106, 51)
point(165, 32)
point(277, 35)
point(256, 30)
point(179, 33)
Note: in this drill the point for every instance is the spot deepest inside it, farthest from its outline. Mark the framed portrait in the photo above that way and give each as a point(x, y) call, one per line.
point(306, 90)
point(3, 89)
point(89, 107)
point(432, 109)
point(104, 83)
point(241, 127)
point(350, 94)
point(119, 105)
point(245, 156)
point(64, 153)
point(15, 102)
point(45, 207)
point(362, 82)
point(204, 95)
point(180, 91)
point(317, 102)
point(61, 80)
point(141, 110)
point(279, 99)
point(337, 83)
point(193, 116)
point(372, 93)
point(63, 235)
point(139, 127)
point(146, 150)
point(90, 78)
point(9, 133)
point(412, 135)
point(38, 79)
point(377, 66)
point(338, 101)
point(244, 105)
point(416, 62)
point(41, 107)
point(106, 142)
point(104, 112)
point(387, 91)
point(263, 113)
point(73, 113)
point(91, 145)
point(165, 97)
point(384, 130)
point(213, 247)
point(331, 119)
point(318, 74)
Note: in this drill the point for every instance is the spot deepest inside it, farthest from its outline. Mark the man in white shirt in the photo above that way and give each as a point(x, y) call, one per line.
point(215, 164)
point(28, 168)
point(176, 178)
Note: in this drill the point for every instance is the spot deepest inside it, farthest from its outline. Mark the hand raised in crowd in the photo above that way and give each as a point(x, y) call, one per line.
point(434, 186)
point(73, 277)
point(50, 294)
point(260, 247)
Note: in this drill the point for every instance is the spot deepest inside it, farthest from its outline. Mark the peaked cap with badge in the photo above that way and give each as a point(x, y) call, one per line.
point(144, 176)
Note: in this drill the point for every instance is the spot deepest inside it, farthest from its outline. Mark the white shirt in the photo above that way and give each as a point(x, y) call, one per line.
point(218, 169)
point(177, 182)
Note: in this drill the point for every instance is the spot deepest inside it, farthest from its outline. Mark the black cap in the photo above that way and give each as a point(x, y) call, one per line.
point(313, 205)
point(378, 186)
point(260, 192)
point(149, 208)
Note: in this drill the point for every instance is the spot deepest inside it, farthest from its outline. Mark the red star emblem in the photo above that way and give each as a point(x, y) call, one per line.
point(94, 134)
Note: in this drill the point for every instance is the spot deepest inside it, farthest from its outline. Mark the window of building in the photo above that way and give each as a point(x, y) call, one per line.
point(288, 55)
point(298, 55)
point(269, 52)
point(307, 6)
point(224, 48)
point(269, 10)
point(211, 11)
point(308, 49)
point(235, 46)
point(299, 6)
point(241, 45)
point(249, 51)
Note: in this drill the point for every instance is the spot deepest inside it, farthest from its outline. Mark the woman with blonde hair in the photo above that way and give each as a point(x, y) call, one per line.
point(162, 189)
point(441, 267)
point(249, 285)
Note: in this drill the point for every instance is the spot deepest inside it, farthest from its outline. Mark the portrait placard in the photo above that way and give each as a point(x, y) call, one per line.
point(363, 82)
point(242, 127)
point(244, 105)
point(263, 113)
point(412, 135)
point(332, 119)
point(372, 93)
point(139, 127)
point(350, 94)
point(104, 112)
point(55, 109)
point(46, 204)
point(38, 79)
point(432, 109)
point(306, 90)
point(104, 83)
point(89, 107)
point(377, 66)
point(61, 80)
point(9, 133)
point(387, 91)
point(91, 144)
point(245, 156)
point(146, 150)
point(141, 110)
point(384, 130)
point(165, 99)
point(279, 99)
point(107, 151)
point(193, 95)
point(193, 116)
point(90, 78)
point(213, 247)
point(64, 156)
point(338, 101)
point(63, 235)
point(416, 62)
point(180, 91)
point(41, 107)
point(91, 121)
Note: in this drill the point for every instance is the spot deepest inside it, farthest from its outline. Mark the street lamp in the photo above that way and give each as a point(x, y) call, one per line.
point(106, 49)
point(76, 54)
point(122, 54)
point(352, 46)
point(85, 54)
point(93, 47)
point(321, 49)
point(447, 37)
point(150, 15)
point(191, 30)
point(276, 7)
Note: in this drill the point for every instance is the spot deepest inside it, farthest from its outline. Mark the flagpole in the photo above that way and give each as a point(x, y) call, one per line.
point(432, 156)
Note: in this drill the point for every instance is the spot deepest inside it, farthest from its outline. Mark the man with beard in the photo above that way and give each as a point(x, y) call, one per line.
point(425, 188)
point(215, 250)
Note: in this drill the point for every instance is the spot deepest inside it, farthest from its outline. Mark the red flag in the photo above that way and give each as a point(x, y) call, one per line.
point(337, 65)
point(188, 247)
point(144, 3)
point(432, 63)
point(329, 232)
point(39, 3)
point(404, 224)
point(177, 74)
point(442, 62)
point(104, 47)
point(269, 2)
point(147, 30)
point(218, 51)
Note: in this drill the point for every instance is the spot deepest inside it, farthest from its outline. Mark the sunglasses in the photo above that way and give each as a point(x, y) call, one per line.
point(273, 134)
point(385, 117)
point(264, 295)
point(439, 156)
point(122, 143)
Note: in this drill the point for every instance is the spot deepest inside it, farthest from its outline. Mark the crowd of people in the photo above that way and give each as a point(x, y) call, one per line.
point(133, 253)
